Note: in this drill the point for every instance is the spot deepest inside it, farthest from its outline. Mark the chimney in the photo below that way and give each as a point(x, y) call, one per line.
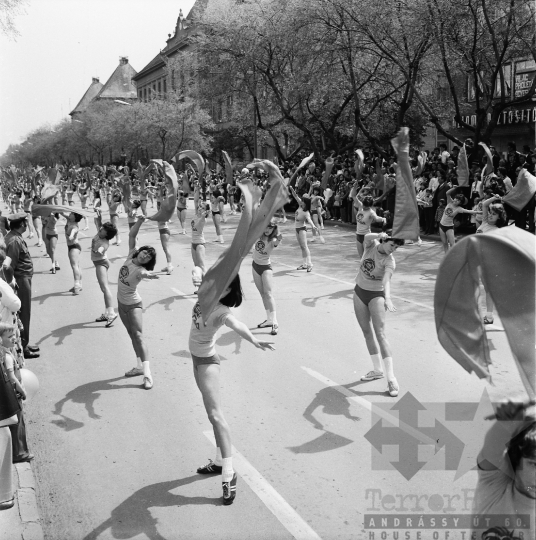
point(123, 60)
point(95, 80)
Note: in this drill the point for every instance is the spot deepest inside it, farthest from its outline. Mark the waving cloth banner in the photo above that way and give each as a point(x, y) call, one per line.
point(167, 206)
point(359, 164)
point(303, 163)
point(406, 220)
point(327, 173)
point(228, 167)
point(199, 163)
point(463, 168)
point(252, 224)
point(520, 195)
point(47, 209)
point(51, 186)
point(505, 261)
point(421, 162)
point(379, 179)
point(489, 165)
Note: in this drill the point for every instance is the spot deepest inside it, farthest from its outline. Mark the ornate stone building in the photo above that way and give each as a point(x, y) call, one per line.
point(118, 86)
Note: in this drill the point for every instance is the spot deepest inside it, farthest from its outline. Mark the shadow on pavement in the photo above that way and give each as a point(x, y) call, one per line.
point(230, 338)
point(133, 516)
point(331, 401)
point(44, 297)
point(65, 331)
point(86, 394)
point(323, 443)
point(311, 301)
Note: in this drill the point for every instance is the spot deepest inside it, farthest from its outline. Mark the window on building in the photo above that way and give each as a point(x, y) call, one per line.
point(159, 87)
point(145, 94)
point(219, 111)
point(140, 94)
point(264, 152)
point(165, 86)
point(173, 79)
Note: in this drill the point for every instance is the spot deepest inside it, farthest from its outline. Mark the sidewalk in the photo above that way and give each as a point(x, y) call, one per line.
point(22, 521)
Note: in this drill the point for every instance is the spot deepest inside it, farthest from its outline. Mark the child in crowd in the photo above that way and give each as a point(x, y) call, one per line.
point(99, 247)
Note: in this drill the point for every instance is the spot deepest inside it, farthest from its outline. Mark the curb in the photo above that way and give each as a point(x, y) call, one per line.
point(28, 510)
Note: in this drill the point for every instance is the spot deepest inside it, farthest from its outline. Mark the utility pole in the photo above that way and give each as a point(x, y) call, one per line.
point(254, 114)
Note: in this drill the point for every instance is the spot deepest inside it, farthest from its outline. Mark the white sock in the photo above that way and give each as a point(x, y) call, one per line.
point(138, 363)
point(109, 311)
point(227, 469)
point(305, 260)
point(268, 315)
point(489, 314)
point(146, 369)
point(376, 362)
point(273, 317)
point(308, 261)
point(388, 363)
point(217, 461)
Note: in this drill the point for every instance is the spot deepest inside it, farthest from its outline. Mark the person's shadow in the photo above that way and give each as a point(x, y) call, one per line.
point(44, 297)
point(65, 331)
point(86, 394)
point(230, 338)
point(133, 516)
point(311, 301)
point(332, 402)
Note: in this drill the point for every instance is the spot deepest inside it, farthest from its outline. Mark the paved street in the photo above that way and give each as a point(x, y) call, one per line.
point(116, 461)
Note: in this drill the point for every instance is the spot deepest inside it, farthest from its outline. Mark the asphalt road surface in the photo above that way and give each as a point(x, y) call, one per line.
point(116, 461)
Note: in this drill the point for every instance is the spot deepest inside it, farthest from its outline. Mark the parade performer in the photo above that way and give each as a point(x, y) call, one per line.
point(198, 238)
point(220, 291)
point(165, 235)
point(99, 246)
point(216, 206)
point(74, 249)
point(263, 274)
point(365, 217)
point(303, 216)
point(182, 204)
point(139, 265)
point(51, 239)
point(446, 225)
point(372, 298)
point(113, 205)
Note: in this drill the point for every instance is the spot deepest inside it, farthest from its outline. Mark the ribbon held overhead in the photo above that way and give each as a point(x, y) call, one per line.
point(197, 159)
point(505, 261)
point(47, 209)
point(167, 206)
point(252, 223)
point(406, 220)
point(228, 167)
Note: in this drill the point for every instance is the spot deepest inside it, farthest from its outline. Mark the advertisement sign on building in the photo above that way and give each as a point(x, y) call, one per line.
point(524, 76)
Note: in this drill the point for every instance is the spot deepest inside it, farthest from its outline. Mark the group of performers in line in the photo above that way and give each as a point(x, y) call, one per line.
point(372, 292)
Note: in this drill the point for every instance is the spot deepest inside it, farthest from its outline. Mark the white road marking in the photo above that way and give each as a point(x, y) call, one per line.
point(192, 298)
point(286, 515)
point(379, 411)
point(353, 285)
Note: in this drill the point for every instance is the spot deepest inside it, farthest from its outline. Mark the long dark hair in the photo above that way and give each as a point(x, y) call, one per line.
point(235, 296)
point(152, 251)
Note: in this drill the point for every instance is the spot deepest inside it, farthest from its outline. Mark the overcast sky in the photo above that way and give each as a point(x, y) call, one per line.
point(63, 44)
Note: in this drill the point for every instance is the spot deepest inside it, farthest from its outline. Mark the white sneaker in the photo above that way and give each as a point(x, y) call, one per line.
point(392, 388)
point(372, 376)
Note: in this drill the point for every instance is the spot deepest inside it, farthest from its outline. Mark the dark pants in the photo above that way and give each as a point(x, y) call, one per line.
point(428, 213)
point(24, 292)
point(18, 438)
